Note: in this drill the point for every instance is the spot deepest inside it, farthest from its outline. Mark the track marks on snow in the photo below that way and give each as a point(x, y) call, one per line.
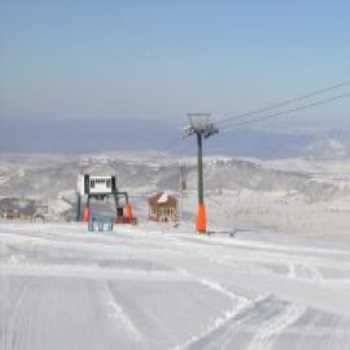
point(255, 326)
point(275, 326)
point(305, 272)
point(8, 334)
point(117, 313)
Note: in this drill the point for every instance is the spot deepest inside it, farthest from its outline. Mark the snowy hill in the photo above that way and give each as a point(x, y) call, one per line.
point(291, 194)
point(332, 145)
point(155, 286)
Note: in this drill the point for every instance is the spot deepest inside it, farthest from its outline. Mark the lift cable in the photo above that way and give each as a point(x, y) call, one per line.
point(267, 108)
point(286, 112)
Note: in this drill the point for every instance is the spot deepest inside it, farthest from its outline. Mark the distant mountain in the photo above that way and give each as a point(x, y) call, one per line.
point(85, 136)
point(334, 144)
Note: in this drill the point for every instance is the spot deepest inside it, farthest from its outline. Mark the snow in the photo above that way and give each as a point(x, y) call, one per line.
point(160, 287)
point(290, 195)
point(165, 197)
point(273, 274)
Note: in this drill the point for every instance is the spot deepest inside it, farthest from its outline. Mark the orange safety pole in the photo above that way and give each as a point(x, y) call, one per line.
point(86, 214)
point(129, 211)
point(201, 224)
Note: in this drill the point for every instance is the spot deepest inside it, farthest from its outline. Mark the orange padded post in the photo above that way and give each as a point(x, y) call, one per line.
point(86, 214)
point(128, 213)
point(201, 224)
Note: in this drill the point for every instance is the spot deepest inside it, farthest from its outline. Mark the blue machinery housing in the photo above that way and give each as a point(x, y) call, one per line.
point(101, 222)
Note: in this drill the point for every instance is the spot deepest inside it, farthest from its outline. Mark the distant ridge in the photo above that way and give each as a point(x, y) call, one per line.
point(84, 136)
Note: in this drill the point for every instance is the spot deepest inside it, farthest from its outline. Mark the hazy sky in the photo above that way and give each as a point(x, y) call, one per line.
point(161, 59)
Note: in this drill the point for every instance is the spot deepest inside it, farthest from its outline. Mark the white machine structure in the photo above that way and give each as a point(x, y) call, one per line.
point(100, 187)
point(91, 184)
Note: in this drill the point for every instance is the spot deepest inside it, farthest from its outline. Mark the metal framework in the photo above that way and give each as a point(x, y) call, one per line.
point(100, 188)
point(199, 123)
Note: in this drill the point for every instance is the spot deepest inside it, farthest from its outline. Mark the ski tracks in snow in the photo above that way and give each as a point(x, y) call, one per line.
point(269, 331)
point(254, 327)
point(8, 333)
point(301, 271)
point(116, 312)
point(240, 303)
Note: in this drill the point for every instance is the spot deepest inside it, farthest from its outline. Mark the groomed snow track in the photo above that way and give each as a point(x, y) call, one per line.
point(64, 288)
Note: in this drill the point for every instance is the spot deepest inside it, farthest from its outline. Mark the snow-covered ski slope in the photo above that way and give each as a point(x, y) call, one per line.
point(138, 288)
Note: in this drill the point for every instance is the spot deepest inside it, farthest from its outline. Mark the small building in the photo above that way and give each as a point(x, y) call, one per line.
point(11, 214)
point(15, 208)
point(162, 207)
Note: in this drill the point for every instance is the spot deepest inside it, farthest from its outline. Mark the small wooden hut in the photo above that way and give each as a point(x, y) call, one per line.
point(162, 207)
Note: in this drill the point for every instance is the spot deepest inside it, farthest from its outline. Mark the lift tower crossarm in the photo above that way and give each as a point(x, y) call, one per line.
point(200, 126)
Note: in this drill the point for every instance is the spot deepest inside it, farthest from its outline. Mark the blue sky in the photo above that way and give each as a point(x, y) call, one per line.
point(161, 59)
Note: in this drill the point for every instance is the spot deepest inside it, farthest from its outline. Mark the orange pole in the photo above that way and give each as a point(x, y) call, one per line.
point(86, 214)
point(201, 224)
point(129, 211)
